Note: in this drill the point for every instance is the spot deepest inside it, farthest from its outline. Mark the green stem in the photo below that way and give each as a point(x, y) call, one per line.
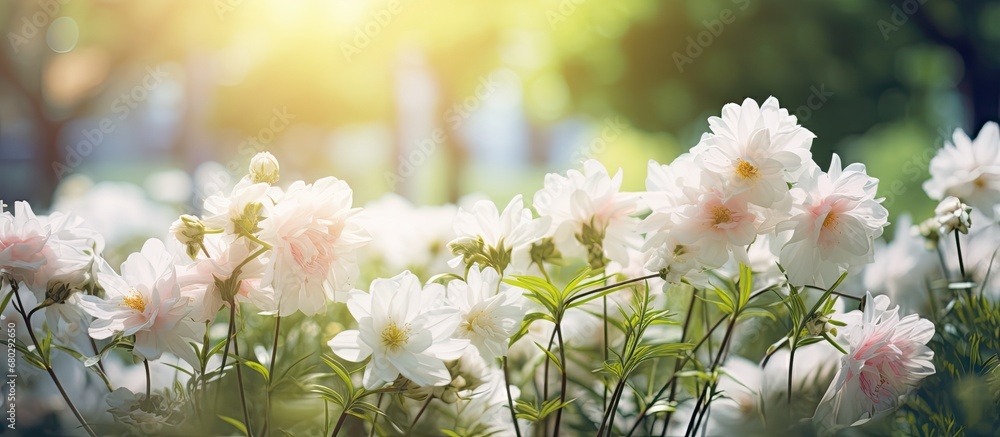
point(562, 389)
point(239, 379)
point(409, 431)
point(149, 390)
point(45, 359)
point(510, 398)
point(270, 373)
point(609, 287)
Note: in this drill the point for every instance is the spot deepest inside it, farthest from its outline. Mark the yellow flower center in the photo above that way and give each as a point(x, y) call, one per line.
point(830, 221)
point(135, 301)
point(745, 169)
point(721, 214)
point(394, 337)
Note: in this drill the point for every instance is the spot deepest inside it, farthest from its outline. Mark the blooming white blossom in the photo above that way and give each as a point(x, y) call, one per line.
point(968, 169)
point(36, 249)
point(145, 301)
point(886, 358)
point(588, 205)
point(835, 220)
point(407, 237)
point(315, 234)
point(694, 222)
point(757, 150)
point(144, 416)
point(903, 268)
point(197, 280)
point(485, 231)
point(405, 329)
point(241, 211)
point(490, 311)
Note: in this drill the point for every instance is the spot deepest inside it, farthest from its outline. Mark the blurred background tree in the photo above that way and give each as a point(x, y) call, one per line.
point(439, 98)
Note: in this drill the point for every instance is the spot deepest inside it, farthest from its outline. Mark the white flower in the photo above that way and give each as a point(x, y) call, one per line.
point(508, 234)
point(241, 211)
point(264, 168)
point(405, 329)
point(757, 150)
point(581, 204)
point(38, 249)
point(720, 225)
point(834, 223)
point(696, 211)
point(141, 417)
point(314, 234)
point(408, 237)
point(197, 280)
point(968, 169)
point(903, 268)
point(886, 358)
point(145, 301)
point(490, 311)
point(953, 215)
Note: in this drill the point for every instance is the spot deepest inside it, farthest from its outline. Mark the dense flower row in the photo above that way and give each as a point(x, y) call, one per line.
point(747, 203)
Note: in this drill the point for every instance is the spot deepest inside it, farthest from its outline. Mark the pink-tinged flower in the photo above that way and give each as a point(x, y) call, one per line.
point(197, 279)
point(590, 202)
point(756, 150)
point(315, 235)
point(405, 329)
point(145, 301)
point(835, 220)
point(886, 358)
point(968, 169)
point(47, 251)
point(700, 213)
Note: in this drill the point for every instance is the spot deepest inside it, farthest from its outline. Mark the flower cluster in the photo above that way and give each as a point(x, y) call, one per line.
point(526, 317)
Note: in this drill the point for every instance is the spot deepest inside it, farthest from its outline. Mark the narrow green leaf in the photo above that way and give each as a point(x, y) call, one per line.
point(236, 423)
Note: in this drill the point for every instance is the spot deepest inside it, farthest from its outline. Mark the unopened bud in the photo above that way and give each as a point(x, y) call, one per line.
point(189, 231)
point(953, 215)
point(264, 168)
point(928, 229)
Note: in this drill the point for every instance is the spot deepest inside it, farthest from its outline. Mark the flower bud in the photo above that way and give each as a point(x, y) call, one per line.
point(189, 231)
point(953, 215)
point(264, 168)
point(928, 229)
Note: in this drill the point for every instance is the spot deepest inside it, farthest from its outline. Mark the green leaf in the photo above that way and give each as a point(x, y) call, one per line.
point(259, 368)
point(236, 423)
point(6, 300)
point(756, 312)
point(551, 356)
point(746, 286)
point(726, 304)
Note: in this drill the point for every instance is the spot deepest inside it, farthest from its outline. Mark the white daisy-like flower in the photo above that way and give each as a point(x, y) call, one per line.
point(314, 234)
point(145, 301)
point(483, 230)
point(968, 169)
point(588, 204)
point(834, 223)
point(490, 311)
point(886, 358)
point(405, 329)
point(756, 149)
